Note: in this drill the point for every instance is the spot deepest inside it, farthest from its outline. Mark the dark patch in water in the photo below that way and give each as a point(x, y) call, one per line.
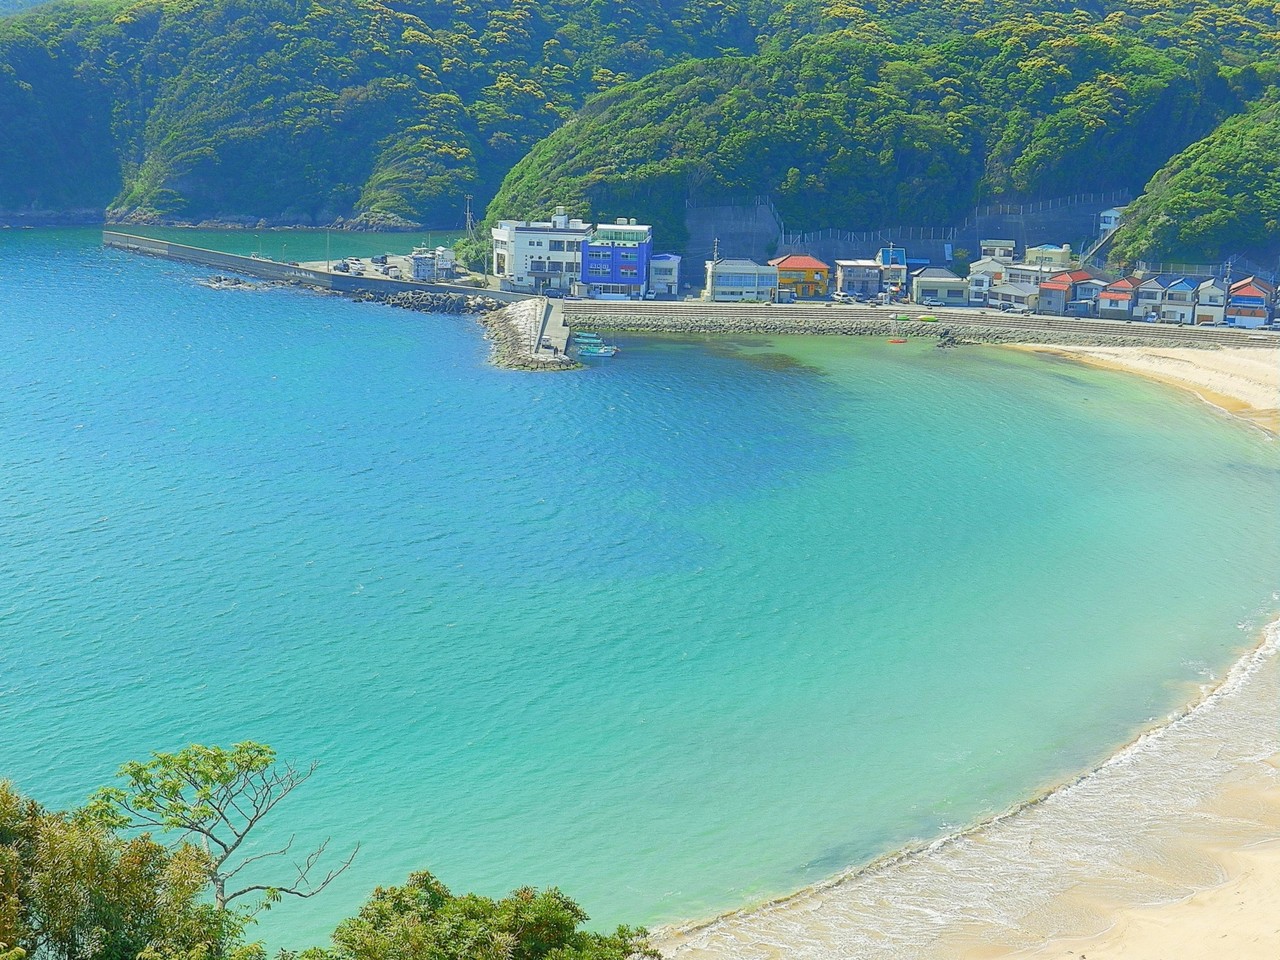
point(780, 362)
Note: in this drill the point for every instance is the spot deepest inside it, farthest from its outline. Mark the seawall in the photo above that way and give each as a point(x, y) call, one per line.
point(291, 273)
point(977, 326)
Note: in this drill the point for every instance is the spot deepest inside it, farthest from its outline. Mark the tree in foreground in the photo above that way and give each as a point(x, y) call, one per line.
point(214, 798)
point(73, 889)
point(422, 920)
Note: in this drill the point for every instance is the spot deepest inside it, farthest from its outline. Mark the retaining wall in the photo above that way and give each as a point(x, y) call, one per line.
point(830, 318)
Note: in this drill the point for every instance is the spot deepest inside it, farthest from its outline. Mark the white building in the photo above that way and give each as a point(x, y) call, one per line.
point(664, 275)
point(533, 256)
point(997, 250)
point(1211, 302)
point(737, 280)
point(1109, 219)
point(432, 265)
point(1030, 274)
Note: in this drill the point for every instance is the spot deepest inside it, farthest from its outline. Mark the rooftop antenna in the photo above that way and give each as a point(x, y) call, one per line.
point(471, 220)
point(715, 250)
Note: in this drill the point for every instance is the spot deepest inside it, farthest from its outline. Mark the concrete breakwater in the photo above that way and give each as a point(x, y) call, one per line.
point(516, 333)
point(968, 333)
point(973, 326)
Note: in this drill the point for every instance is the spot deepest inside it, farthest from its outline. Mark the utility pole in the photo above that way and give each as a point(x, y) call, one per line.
point(471, 220)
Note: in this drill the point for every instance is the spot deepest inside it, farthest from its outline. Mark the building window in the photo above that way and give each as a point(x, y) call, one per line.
point(557, 245)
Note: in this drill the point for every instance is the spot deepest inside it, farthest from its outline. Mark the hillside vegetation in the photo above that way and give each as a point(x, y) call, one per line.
point(390, 112)
point(304, 112)
point(853, 130)
point(1218, 197)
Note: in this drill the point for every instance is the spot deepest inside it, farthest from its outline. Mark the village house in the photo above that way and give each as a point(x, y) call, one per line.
point(1072, 292)
point(939, 287)
point(1179, 301)
point(1149, 297)
point(801, 277)
point(1249, 302)
point(730, 280)
point(1017, 295)
point(1211, 302)
point(1050, 255)
point(1030, 274)
point(858, 278)
point(1001, 250)
point(1109, 219)
point(664, 275)
point(893, 269)
point(1116, 299)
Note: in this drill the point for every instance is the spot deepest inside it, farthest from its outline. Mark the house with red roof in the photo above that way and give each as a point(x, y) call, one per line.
point(804, 276)
point(1115, 300)
point(1250, 302)
point(1061, 291)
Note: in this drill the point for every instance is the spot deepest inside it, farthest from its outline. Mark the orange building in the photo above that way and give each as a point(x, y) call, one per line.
point(805, 277)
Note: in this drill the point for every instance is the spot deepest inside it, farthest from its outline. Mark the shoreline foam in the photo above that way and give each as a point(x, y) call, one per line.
point(1196, 845)
point(1006, 884)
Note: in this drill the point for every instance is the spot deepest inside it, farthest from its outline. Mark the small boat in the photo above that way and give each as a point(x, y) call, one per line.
point(597, 350)
point(897, 340)
point(586, 338)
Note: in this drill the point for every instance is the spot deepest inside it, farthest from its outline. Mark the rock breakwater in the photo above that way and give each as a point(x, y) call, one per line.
point(861, 327)
point(425, 302)
point(515, 333)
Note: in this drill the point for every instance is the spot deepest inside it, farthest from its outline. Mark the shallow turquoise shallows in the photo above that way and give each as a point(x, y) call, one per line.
point(687, 629)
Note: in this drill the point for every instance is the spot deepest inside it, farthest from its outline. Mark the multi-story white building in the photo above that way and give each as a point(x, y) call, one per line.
point(533, 256)
point(736, 280)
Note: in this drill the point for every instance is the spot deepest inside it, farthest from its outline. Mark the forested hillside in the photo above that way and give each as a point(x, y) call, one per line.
point(853, 130)
point(1220, 196)
point(308, 111)
point(386, 112)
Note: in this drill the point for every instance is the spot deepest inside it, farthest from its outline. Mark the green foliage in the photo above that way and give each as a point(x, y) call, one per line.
point(215, 797)
point(853, 130)
point(85, 885)
point(1219, 196)
point(306, 112)
point(847, 114)
point(73, 889)
point(422, 920)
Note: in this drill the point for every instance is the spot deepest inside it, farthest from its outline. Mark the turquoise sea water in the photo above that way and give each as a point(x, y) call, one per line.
point(676, 633)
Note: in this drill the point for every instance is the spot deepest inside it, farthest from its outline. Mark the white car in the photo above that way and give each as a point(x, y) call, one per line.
point(841, 297)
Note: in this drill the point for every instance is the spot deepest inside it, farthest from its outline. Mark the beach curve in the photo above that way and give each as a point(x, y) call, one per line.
point(1170, 841)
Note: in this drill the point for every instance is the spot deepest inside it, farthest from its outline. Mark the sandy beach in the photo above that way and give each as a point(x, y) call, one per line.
point(1243, 381)
point(1169, 851)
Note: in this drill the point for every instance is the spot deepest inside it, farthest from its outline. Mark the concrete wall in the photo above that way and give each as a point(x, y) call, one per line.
point(287, 273)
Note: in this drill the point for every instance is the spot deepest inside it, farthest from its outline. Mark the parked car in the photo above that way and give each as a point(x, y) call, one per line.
point(931, 302)
point(841, 297)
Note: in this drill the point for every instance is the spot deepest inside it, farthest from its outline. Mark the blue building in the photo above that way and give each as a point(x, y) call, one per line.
point(615, 260)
